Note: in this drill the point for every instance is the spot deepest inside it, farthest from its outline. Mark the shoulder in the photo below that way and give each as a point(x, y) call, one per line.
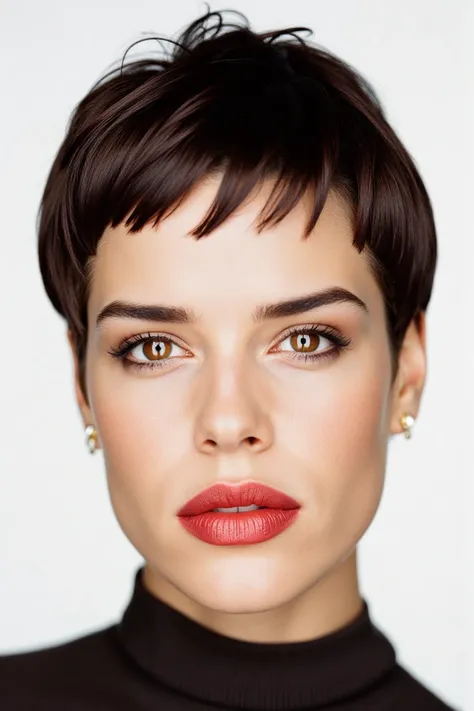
point(401, 690)
point(75, 669)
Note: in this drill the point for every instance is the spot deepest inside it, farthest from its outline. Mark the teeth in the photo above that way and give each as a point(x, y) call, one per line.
point(238, 509)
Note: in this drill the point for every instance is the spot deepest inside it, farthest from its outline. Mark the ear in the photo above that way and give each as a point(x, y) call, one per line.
point(411, 377)
point(85, 410)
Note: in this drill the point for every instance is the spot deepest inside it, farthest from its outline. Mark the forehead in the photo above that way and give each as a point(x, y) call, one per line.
point(234, 265)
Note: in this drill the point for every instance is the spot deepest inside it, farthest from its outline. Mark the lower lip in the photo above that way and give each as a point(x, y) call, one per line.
point(239, 529)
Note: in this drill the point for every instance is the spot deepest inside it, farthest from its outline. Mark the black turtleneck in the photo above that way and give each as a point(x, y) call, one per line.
point(157, 659)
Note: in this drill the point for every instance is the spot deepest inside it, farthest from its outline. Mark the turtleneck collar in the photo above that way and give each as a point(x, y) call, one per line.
point(195, 661)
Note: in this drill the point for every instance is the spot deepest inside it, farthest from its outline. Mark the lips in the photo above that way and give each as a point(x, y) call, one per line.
point(221, 528)
point(226, 496)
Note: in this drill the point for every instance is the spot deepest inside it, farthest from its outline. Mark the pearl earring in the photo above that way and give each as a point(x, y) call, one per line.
point(407, 422)
point(91, 438)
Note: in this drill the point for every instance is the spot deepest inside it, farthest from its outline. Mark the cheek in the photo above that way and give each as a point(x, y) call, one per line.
point(341, 410)
point(141, 416)
point(144, 450)
point(336, 430)
point(145, 436)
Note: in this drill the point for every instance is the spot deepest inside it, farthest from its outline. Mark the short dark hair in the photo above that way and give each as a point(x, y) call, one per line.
point(251, 106)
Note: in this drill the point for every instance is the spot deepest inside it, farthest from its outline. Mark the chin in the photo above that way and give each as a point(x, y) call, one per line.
point(241, 584)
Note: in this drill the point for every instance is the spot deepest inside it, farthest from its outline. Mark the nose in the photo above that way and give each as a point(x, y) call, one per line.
point(235, 414)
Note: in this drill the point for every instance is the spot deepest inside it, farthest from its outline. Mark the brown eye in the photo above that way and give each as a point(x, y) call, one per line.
point(304, 342)
point(153, 349)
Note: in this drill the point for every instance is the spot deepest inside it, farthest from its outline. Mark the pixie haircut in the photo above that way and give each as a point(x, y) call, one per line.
point(248, 107)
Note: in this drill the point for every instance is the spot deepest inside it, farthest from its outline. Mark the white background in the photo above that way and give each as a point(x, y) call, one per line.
point(66, 568)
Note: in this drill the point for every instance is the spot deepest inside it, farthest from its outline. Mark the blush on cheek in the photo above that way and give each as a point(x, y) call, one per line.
point(143, 440)
point(364, 425)
point(366, 394)
point(349, 447)
point(114, 412)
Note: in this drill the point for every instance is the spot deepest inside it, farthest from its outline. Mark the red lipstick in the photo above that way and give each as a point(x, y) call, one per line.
point(226, 528)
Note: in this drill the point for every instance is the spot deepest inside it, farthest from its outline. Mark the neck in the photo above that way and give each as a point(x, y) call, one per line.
point(329, 605)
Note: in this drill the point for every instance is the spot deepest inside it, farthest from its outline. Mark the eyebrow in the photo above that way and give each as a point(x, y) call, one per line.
point(179, 314)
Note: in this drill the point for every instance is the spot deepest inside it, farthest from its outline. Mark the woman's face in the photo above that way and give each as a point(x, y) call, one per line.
point(234, 403)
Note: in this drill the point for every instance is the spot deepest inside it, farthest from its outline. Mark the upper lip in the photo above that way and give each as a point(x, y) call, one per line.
point(223, 496)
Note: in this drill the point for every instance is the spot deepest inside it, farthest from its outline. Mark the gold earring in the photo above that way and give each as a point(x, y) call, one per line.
point(407, 422)
point(91, 438)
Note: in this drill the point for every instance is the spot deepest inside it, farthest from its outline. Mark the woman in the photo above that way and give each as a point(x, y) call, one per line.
point(243, 387)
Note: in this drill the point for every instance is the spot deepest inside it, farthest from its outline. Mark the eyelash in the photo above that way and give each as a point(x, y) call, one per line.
point(340, 342)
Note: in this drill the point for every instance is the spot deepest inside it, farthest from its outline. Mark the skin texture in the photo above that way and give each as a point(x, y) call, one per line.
point(232, 411)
